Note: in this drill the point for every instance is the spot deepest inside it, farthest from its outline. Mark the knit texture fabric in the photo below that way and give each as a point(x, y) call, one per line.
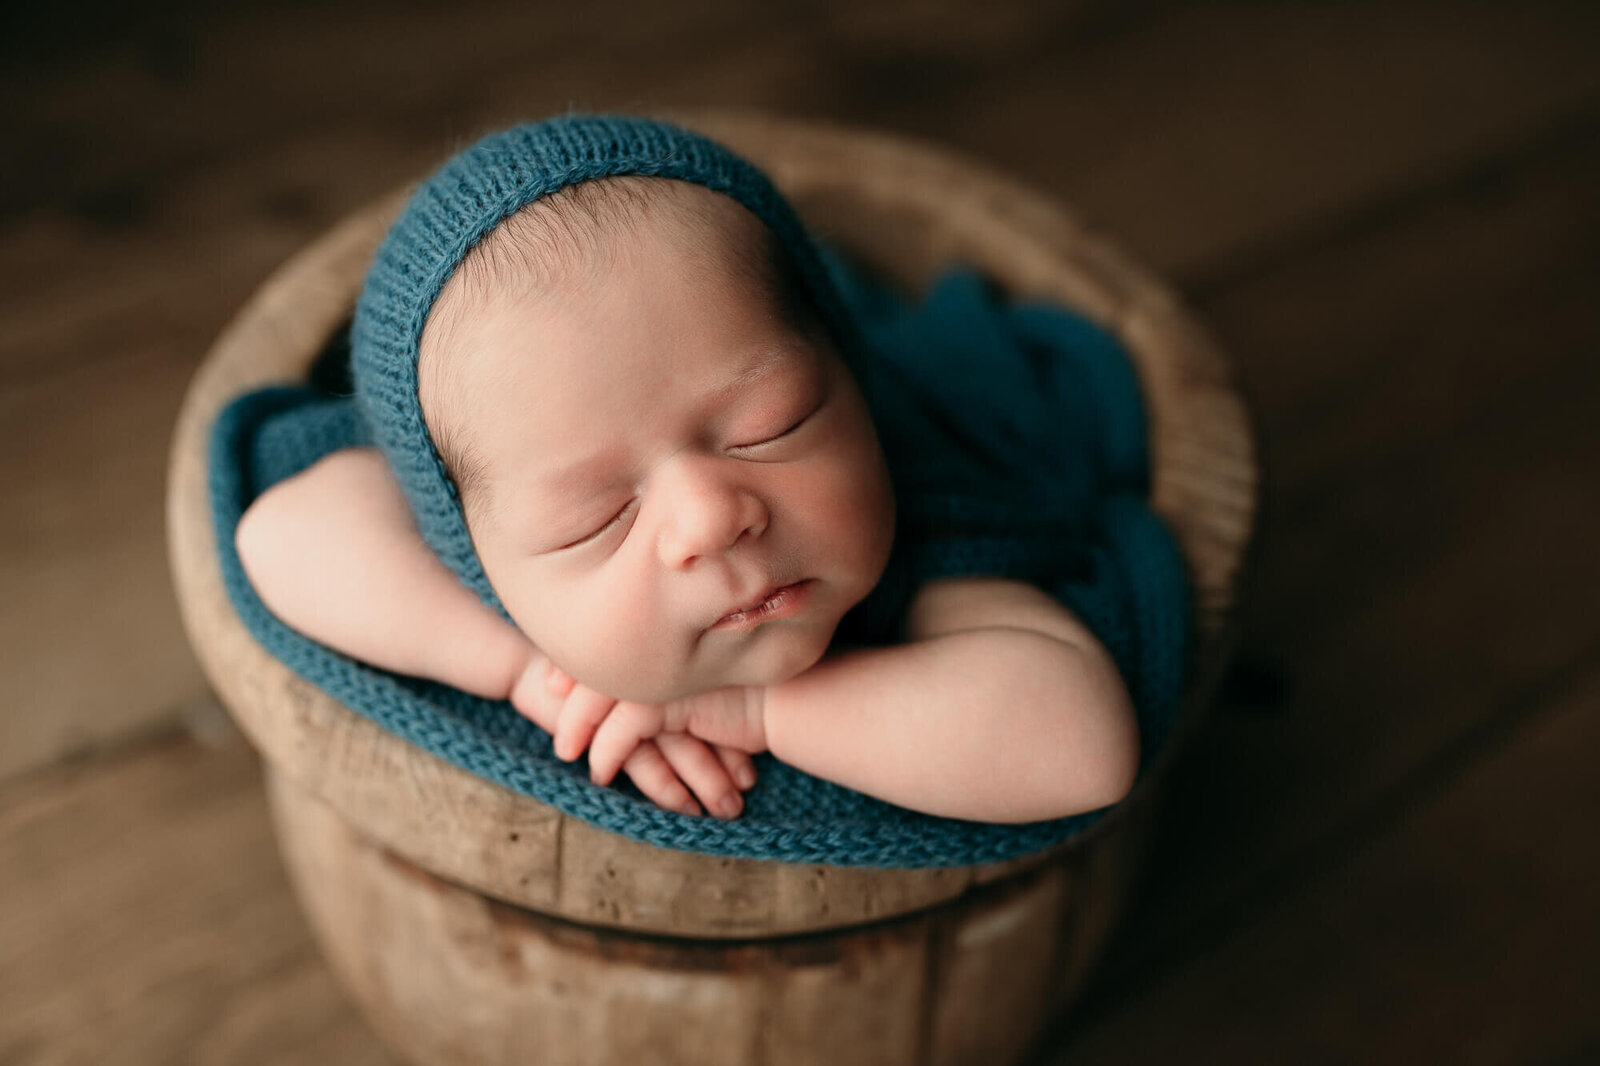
point(1015, 440)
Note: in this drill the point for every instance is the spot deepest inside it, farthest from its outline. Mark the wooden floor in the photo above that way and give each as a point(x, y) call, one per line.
point(1381, 849)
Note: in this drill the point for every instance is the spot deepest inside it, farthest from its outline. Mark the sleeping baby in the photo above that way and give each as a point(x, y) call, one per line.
point(641, 401)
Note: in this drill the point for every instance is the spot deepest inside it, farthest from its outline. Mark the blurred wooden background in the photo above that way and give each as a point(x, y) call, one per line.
point(1381, 848)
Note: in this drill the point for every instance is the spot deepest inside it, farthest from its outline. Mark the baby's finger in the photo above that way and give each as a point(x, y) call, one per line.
point(623, 729)
point(557, 681)
point(583, 711)
point(740, 766)
point(531, 701)
point(654, 777)
point(692, 760)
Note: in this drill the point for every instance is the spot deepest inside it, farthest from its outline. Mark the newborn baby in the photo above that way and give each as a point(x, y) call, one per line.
point(674, 487)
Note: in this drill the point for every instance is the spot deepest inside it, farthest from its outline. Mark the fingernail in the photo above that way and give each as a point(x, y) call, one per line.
point(690, 809)
point(746, 777)
point(729, 806)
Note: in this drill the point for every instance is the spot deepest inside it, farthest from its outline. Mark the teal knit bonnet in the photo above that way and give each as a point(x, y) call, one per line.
point(457, 207)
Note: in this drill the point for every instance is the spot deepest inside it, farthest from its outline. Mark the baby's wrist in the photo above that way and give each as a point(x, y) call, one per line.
point(732, 716)
point(527, 677)
point(755, 702)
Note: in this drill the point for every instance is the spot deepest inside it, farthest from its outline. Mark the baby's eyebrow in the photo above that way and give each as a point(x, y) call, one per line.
point(583, 473)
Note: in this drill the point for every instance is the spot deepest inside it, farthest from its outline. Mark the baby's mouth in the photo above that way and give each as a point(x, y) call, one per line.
point(778, 603)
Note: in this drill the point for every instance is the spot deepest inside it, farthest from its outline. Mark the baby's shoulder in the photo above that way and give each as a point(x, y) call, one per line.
point(952, 604)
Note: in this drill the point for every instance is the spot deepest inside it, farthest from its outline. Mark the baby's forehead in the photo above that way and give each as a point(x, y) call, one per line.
point(562, 244)
point(581, 227)
point(565, 240)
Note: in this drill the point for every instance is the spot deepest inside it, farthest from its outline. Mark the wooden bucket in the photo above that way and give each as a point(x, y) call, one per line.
point(474, 925)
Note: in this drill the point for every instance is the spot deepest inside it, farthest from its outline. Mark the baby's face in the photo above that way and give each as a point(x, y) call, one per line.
point(680, 490)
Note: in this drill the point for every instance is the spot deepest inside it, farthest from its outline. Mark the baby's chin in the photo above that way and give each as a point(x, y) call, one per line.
point(776, 658)
point(778, 661)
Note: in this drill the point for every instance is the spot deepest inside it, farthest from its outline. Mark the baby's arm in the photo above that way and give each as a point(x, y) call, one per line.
point(334, 553)
point(1002, 707)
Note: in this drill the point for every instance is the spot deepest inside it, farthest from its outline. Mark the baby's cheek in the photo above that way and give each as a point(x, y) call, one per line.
point(848, 492)
point(860, 522)
point(603, 624)
point(557, 617)
point(624, 638)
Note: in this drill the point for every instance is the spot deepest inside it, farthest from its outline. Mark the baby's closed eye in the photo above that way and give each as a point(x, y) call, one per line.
point(780, 434)
point(615, 520)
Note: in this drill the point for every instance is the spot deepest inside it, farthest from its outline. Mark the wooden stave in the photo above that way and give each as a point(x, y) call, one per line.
point(445, 974)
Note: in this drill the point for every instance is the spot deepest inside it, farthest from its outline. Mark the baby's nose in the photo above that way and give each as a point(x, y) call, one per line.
point(707, 516)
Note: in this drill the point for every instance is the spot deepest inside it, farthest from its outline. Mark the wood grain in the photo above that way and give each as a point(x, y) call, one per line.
point(447, 975)
point(1428, 386)
point(1354, 197)
point(147, 919)
point(1461, 931)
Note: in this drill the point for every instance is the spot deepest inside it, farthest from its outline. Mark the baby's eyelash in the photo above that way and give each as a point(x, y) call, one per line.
point(587, 538)
point(809, 415)
point(786, 432)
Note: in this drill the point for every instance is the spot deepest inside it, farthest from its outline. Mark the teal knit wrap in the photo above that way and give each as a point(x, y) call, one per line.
point(456, 208)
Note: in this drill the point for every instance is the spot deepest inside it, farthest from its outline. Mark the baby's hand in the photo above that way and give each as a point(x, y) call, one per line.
point(660, 765)
point(729, 719)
